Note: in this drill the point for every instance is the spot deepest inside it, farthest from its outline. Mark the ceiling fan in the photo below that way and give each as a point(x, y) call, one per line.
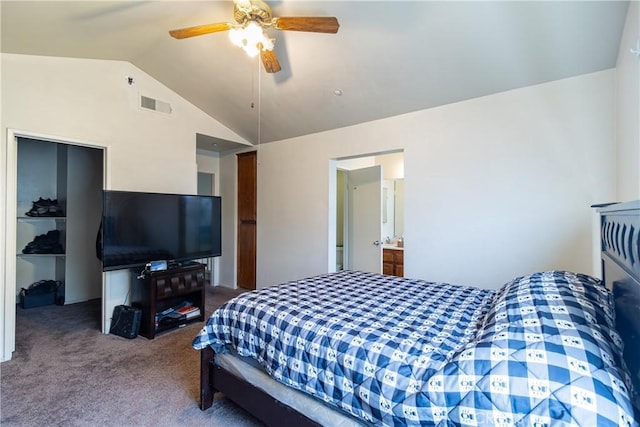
point(252, 18)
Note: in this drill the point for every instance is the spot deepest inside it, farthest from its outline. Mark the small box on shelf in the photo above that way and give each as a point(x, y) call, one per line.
point(183, 311)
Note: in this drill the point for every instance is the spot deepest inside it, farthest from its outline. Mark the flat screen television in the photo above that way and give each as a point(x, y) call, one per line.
point(138, 228)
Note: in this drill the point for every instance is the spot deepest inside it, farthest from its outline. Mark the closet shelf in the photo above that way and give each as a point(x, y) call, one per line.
point(42, 218)
point(40, 255)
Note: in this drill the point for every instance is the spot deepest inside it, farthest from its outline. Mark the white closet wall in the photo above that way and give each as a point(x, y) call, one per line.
point(84, 210)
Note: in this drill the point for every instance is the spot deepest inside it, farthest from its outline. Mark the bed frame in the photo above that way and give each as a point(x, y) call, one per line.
point(620, 246)
point(258, 403)
point(620, 253)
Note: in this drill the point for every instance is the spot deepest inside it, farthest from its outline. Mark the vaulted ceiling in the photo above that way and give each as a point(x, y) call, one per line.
point(388, 57)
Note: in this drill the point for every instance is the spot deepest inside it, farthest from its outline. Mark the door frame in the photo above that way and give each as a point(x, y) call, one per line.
point(334, 165)
point(8, 230)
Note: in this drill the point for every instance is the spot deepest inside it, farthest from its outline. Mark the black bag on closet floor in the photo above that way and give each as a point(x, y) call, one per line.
point(125, 321)
point(43, 292)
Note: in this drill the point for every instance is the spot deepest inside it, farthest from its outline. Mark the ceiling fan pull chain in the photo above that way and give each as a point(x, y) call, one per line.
point(259, 104)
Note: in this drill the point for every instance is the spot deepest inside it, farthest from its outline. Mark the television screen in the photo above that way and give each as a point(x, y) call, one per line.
point(138, 228)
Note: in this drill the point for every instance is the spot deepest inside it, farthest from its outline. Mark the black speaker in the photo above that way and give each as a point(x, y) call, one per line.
point(125, 321)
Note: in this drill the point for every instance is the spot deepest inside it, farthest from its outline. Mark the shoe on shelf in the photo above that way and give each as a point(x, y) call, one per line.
point(45, 244)
point(45, 207)
point(55, 249)
point(45, 202)
point(37, 211)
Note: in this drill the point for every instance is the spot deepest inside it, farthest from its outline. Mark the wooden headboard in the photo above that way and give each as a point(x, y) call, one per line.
point(620, 241)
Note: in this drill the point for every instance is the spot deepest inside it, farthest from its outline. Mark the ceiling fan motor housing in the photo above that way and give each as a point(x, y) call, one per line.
point(254, 10)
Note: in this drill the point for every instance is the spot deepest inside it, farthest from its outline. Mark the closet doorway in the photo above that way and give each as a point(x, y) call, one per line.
point(69, 176)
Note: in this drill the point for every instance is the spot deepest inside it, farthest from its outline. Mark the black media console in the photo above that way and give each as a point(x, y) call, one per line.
point(157, 291)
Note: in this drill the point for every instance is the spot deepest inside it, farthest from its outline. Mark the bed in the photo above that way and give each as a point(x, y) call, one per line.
point(355, 348)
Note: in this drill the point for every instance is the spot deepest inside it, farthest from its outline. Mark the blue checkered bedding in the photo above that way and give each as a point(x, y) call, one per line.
point(541, 350)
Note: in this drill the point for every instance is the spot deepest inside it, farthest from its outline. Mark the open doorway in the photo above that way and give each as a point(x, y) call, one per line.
point(206, 187)
point(358, 206)
point(69, 178)
point(58, 242)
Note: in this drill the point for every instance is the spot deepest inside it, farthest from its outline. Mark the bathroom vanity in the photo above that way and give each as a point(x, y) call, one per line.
point(393, 260)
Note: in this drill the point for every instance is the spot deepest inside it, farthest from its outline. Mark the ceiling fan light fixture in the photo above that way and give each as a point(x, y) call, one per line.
point(251, 38)
point(252, 18)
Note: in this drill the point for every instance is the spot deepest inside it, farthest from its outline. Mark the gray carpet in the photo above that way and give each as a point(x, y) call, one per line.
point(64, 372)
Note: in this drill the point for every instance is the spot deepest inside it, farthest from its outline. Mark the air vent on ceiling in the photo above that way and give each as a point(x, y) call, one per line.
point(154, 105)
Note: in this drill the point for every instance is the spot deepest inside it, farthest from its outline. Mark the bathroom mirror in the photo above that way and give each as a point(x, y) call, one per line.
point(393, 208)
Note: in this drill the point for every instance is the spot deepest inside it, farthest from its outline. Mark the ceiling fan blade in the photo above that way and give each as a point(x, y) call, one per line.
point(200, 30)
point(327, 24)
point(270, 61)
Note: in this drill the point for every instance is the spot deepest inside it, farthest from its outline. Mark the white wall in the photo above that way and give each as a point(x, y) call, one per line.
point(495, 187)
point(90, 102)
point(392, 165)
point(83, 278)
point(628, 109)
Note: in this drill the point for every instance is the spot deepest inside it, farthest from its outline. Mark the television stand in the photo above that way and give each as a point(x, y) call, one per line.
point(172, 265)
point(157, 291)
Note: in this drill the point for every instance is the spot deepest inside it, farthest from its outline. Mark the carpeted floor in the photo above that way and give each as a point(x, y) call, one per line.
point(65, 372)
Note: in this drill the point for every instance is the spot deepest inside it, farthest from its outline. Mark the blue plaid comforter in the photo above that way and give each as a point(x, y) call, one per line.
point(541, 350)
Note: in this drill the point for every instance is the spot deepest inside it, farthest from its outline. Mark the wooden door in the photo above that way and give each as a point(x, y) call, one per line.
point(247, 219)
